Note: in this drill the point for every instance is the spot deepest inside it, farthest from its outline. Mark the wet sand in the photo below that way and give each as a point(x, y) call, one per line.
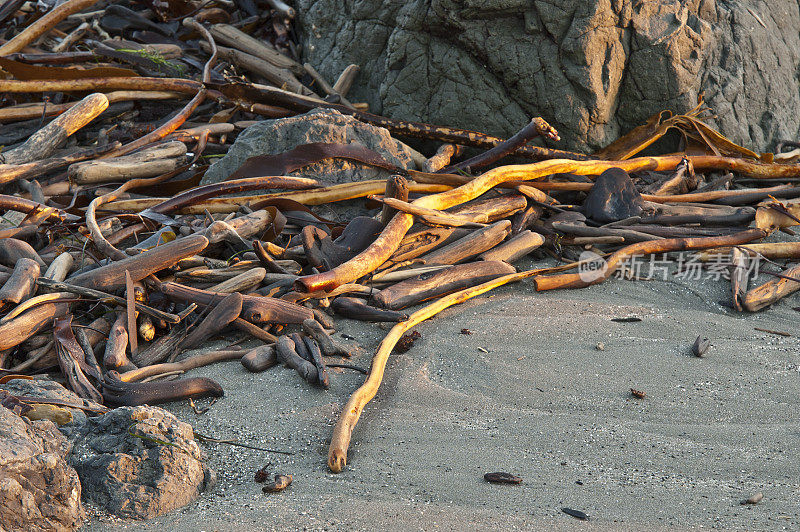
point(543, 403)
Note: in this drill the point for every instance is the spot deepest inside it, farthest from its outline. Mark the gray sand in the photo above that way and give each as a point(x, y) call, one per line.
point(542, 403)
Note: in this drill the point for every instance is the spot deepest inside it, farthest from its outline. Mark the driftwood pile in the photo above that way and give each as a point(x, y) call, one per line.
point(113, 261)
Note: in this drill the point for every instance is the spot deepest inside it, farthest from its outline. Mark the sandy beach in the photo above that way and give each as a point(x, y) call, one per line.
point(529, 393)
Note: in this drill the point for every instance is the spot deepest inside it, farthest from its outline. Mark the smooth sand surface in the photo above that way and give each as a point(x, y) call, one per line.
point(543, 403)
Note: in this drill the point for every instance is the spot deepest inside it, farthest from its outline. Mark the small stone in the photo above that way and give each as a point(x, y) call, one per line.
point(700, 346)
point(755, 499)
point(600, 346)
point(577, 514)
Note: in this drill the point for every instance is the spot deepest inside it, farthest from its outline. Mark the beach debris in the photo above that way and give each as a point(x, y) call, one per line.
point(628, 319)
point(260, 359)
point(600, 346)
point(466, 331)
point(577, 514)
point(700, 346)
point(753, 499)
point(263, 474)
point(772, 331)
point(178, 192)
point(638, 393)
point(277, 484)
point(406, 341)
point(500, 477)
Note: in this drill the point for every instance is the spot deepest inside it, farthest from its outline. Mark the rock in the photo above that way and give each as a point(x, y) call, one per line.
point(613, 197)
point(593, 69)
point(139, 462)
point(38, 488)
point(49, 389)
point(319, 125)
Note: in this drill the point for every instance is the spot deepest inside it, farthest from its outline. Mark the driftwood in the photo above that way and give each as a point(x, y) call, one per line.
point(44, 24)
point(85, 343)
point(120, 393)
point(318, 196)
point(223, 313)
point(356, 309)
point(45, 141)
point(232, 36)
point(495, 208)
point(328, 345)
point(259, 359)
point(112, 276)
point(419, 242)
point(72, 361)
point(535, 127)
point(390, 238)
point(146, 163)
point(12, 250)
point(435, 284)
point(19, 329)
point(316, 358)
point(161, 349)
point(242, 282)
point(577, 280)
point(740, 262)
point(141, 307)
point(59, 268)
point(15, 172)
point(432, 216)
point(254, 331)
point(254, 308)
point(580, 229)
point(116, 356)
point(346, 79)
point(22, 283)
point(196, 361)
point(251, 63)
point(287, 354)
point(396, 188)
point(770, 250)
point(471, 245)
point(514, 248)
point(34, 302)
point(773, 290)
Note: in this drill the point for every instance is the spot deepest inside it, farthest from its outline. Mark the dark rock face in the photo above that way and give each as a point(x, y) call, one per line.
point(613, 197)
point(594, 69)
point(38, 490)
point(139, 462)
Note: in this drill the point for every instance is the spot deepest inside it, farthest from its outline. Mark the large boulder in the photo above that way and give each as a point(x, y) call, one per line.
point(593, 69)
point(48, 389)
point(272, 137)
point(38, 488)
point(139, 462)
